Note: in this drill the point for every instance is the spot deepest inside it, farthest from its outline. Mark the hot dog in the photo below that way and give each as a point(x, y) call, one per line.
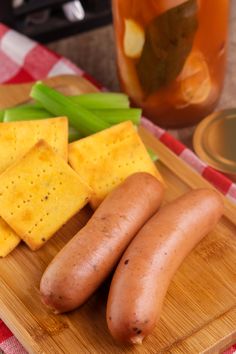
point(84, 263)
point(146, 268)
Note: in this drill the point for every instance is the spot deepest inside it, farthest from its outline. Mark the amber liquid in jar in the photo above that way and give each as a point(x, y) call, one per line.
point(171, 56)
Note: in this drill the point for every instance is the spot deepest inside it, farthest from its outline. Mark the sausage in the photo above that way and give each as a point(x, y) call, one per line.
point(145, 270)
point(85, 262)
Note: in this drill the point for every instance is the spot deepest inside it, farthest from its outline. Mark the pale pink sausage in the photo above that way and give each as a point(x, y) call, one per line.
point(85, 262)
point(146, 268)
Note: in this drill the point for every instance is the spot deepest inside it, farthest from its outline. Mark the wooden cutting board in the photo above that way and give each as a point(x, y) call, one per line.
point(199, 313)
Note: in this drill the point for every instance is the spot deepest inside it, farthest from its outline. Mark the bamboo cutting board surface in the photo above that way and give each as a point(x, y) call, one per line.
point(199, 313)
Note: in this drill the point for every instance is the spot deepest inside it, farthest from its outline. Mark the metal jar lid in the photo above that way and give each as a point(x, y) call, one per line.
point(214, 141)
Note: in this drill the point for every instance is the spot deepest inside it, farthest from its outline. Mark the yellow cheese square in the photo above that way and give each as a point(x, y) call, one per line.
point(105, 159)
point(39, 193)
point(8, 239)
point(16, 138)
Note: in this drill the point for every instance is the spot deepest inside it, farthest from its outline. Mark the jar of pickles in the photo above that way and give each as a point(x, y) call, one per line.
point(171, 56)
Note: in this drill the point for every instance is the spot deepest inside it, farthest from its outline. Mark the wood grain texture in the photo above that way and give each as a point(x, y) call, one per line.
point(12, 95)
point(199, 313)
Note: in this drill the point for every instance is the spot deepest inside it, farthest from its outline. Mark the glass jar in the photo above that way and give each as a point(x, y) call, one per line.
point(171, 56)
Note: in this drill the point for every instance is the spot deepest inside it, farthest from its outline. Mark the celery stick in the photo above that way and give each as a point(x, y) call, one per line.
point(25, 113)
point(1, 115)
point(102, 100)
point(15, 108)
point(115, 116)
point(79, 117)
point(153, 155)
point(73, 134)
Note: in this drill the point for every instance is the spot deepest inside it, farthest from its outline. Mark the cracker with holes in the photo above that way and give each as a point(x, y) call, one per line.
point(8, 239)
point(16, 138)
point(39, 193)
point(105, 159)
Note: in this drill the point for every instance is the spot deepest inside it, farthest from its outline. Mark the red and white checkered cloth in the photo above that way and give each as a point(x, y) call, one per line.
point(24, 60)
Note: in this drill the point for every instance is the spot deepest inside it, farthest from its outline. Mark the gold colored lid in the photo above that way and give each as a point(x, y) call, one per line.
point(215, 141)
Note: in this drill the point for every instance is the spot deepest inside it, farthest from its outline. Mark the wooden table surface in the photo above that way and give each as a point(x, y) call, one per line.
point(95, 53)
point(199, 313)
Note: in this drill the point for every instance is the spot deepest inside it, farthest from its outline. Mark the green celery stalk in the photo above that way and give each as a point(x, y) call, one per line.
point(2, 115)
point(79, 117)
point(115, 116)
point(36, 111)
point(21, 113)
point(102, 100)
point(73, 134)
point(153, 155)
point(25, 113)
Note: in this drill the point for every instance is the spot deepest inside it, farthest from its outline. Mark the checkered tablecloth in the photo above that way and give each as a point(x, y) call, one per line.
point(24, 60)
